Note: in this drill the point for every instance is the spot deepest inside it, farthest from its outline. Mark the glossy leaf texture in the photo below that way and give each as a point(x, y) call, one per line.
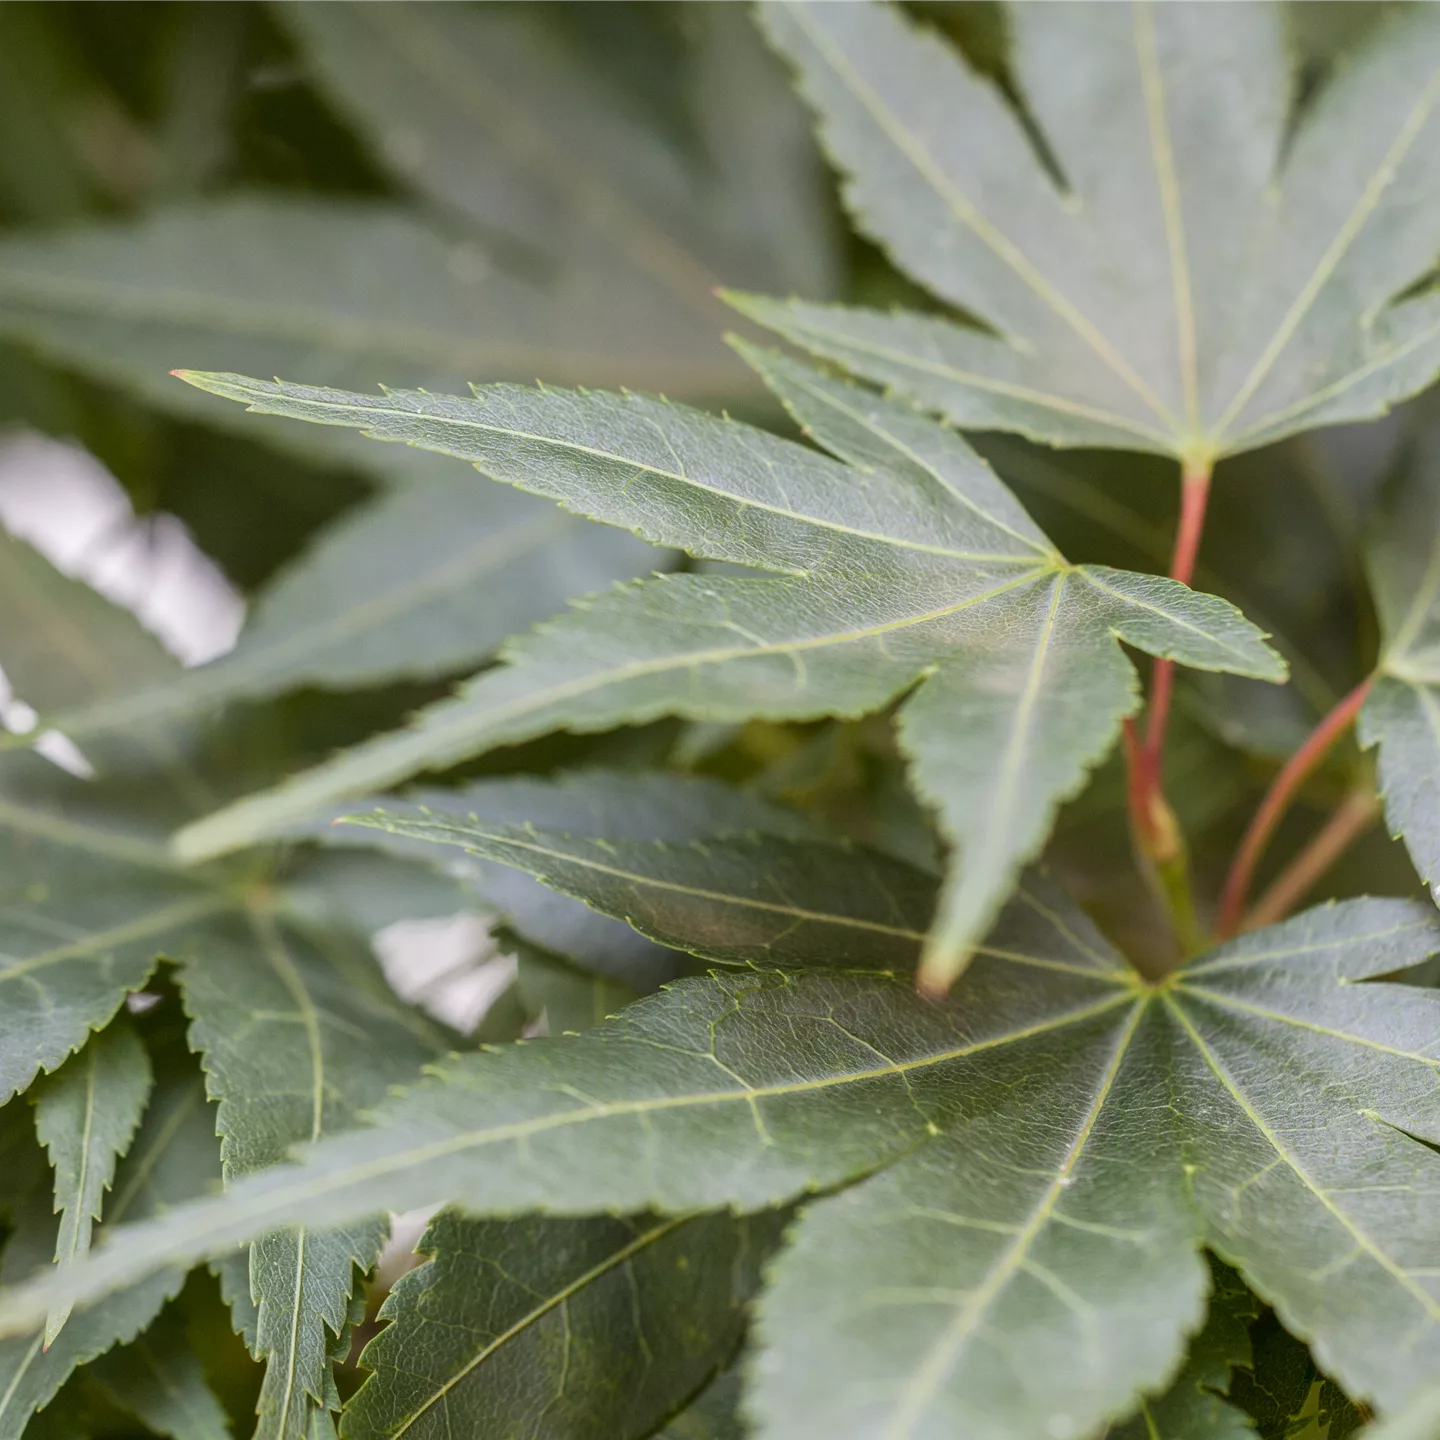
point(1166, 255)
point(85, 1117)
point(909, 568)
point(595, 1327)
point(1021, 1175)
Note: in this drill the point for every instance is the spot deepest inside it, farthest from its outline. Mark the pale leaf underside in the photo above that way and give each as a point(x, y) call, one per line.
point(1200, 278)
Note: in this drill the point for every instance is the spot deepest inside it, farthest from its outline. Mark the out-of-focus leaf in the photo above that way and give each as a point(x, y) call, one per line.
point(713, 1415)
point(159, 1380)
point(427, 579)
point(1195, 1406)
point(1402, 712)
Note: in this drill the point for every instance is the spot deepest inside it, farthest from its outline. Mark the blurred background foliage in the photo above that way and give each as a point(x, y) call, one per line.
point(433, 194)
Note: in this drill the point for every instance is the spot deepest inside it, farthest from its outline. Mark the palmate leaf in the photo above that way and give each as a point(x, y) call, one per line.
point(1183, 270)
point(85, 1117)
point(296, 1039)
point(582, 1328)
point(909, 568)
point(1042, 1163)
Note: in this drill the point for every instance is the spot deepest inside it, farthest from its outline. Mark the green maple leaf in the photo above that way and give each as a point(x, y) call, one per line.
point(908, 568)
point(1015, 1181)
point(638, 807)
point(279, 979)
point(85, 1117)
point(174, 1157)
point(595, 1327)
point(1180, 271)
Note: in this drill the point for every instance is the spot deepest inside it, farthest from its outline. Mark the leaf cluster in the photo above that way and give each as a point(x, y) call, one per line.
point(890, 823)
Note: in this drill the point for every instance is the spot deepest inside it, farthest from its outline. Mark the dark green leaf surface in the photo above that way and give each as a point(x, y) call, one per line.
point(279, 979)
point(754, 900)
point(174, 1158)
point(1402, 711)
point(85, 1117)
point(1194, 1407)
point(429, 578)
point(1042, 1163)
point(926, 572)
point(1198, 278)
point(159, 1380)
point(713, 1415)
point(557, 1329)
point(296, 1040)
point(619, 805)
point(85, 913)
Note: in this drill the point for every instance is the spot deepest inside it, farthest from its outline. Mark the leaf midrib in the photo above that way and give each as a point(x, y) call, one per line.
point(941, 1358)
point(121, 1261)
point(244, 389)
point(622, 1256)
point(1362, 1240)
point(964, 210)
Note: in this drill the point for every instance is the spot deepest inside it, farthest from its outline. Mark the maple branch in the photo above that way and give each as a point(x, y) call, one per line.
point(1194, 496)
point(1158, 840)
point(1293, 774)
point(1355, 815)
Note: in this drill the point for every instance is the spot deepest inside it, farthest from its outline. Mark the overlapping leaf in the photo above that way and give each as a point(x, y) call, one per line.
point(85, 1117)
point(1195, 1406)
point(622, 236)
point(174, 1158)
point(427, 579)
point(727, 899)
point(297, 1039)
point(636, 806)
point(286, 997)
point(908, 568)
point(159, 1379)
point(1402, 712)
point(1168, 257)
point(589, 1328)
point(1042, 1163)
